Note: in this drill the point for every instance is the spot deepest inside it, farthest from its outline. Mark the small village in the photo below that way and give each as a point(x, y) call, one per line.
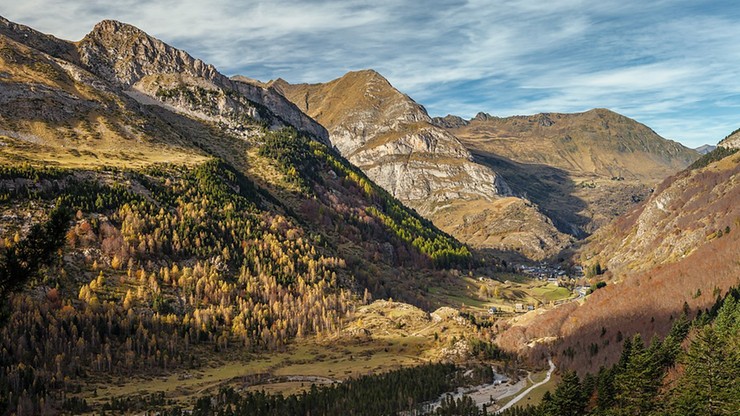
point(572, 279)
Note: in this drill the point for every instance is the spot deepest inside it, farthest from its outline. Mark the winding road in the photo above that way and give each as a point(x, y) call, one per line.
point(523, 394)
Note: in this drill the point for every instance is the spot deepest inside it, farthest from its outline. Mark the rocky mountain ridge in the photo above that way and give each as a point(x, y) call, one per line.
point(582, 169)
point(135, 62)
point(732, 141)
point(596, 142)
point(391, 138)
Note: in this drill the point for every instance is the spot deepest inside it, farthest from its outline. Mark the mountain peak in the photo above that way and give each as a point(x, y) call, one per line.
point(366, 76)
point(115, 27)
point(603, 111)
point(705, 148)
point(123, 53)
point(369, 72)
point(481, 116)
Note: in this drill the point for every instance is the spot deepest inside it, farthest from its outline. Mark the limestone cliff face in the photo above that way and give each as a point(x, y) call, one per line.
point(391, 138)
point(141, 64)
point(732, 141)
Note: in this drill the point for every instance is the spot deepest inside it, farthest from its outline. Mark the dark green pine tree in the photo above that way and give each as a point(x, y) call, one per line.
point(625, 357)
point(637, 385)
point(568, 399)
point(605, 388)
point(547, 407)
point(709, 385)
point(670, 348)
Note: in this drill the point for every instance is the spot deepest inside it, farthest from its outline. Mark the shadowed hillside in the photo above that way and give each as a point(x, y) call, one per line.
point(676, 251)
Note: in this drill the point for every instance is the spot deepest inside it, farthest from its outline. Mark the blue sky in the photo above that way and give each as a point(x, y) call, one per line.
point(673, 65)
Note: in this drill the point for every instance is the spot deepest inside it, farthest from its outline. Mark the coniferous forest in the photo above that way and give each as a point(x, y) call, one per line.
point(691, 372)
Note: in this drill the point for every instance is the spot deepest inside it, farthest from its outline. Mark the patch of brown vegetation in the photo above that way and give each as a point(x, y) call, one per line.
point(647, 293)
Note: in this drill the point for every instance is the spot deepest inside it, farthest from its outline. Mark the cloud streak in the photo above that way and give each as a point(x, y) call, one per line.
point(671, 64)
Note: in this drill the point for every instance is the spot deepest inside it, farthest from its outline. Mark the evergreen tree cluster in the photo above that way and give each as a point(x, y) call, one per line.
point(19, 262)
point(462, 406)
point(301, 160)
point(717, 154)
point(406, 389)
point(661, 379)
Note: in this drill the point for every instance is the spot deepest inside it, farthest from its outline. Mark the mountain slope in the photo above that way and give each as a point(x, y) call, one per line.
point(582, 169)
point(124, 115)
point(129, 59)
point(203, 227)
point(675, 252)
point(391, 138)
point(732, 140)
point(598, 142)
point(685, 211)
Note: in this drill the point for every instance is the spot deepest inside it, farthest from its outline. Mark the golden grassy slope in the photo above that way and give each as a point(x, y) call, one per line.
point(56, 113)
point(597, 142)
point(337, 102)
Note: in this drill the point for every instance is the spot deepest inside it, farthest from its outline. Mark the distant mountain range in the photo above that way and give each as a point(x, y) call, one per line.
point(704, 149)
point(520, 184)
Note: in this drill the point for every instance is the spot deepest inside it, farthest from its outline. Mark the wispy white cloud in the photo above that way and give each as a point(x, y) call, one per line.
point(672, 64)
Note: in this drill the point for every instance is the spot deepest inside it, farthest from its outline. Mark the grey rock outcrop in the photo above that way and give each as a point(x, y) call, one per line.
point(449, 121)
point(127, 56)
point(394, 141)
point(732, 141)
point(124, 54)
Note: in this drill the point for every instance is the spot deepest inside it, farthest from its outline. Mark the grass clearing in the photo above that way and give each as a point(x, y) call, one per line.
point(535, 396)
point(550, 293)
point(400, 336)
